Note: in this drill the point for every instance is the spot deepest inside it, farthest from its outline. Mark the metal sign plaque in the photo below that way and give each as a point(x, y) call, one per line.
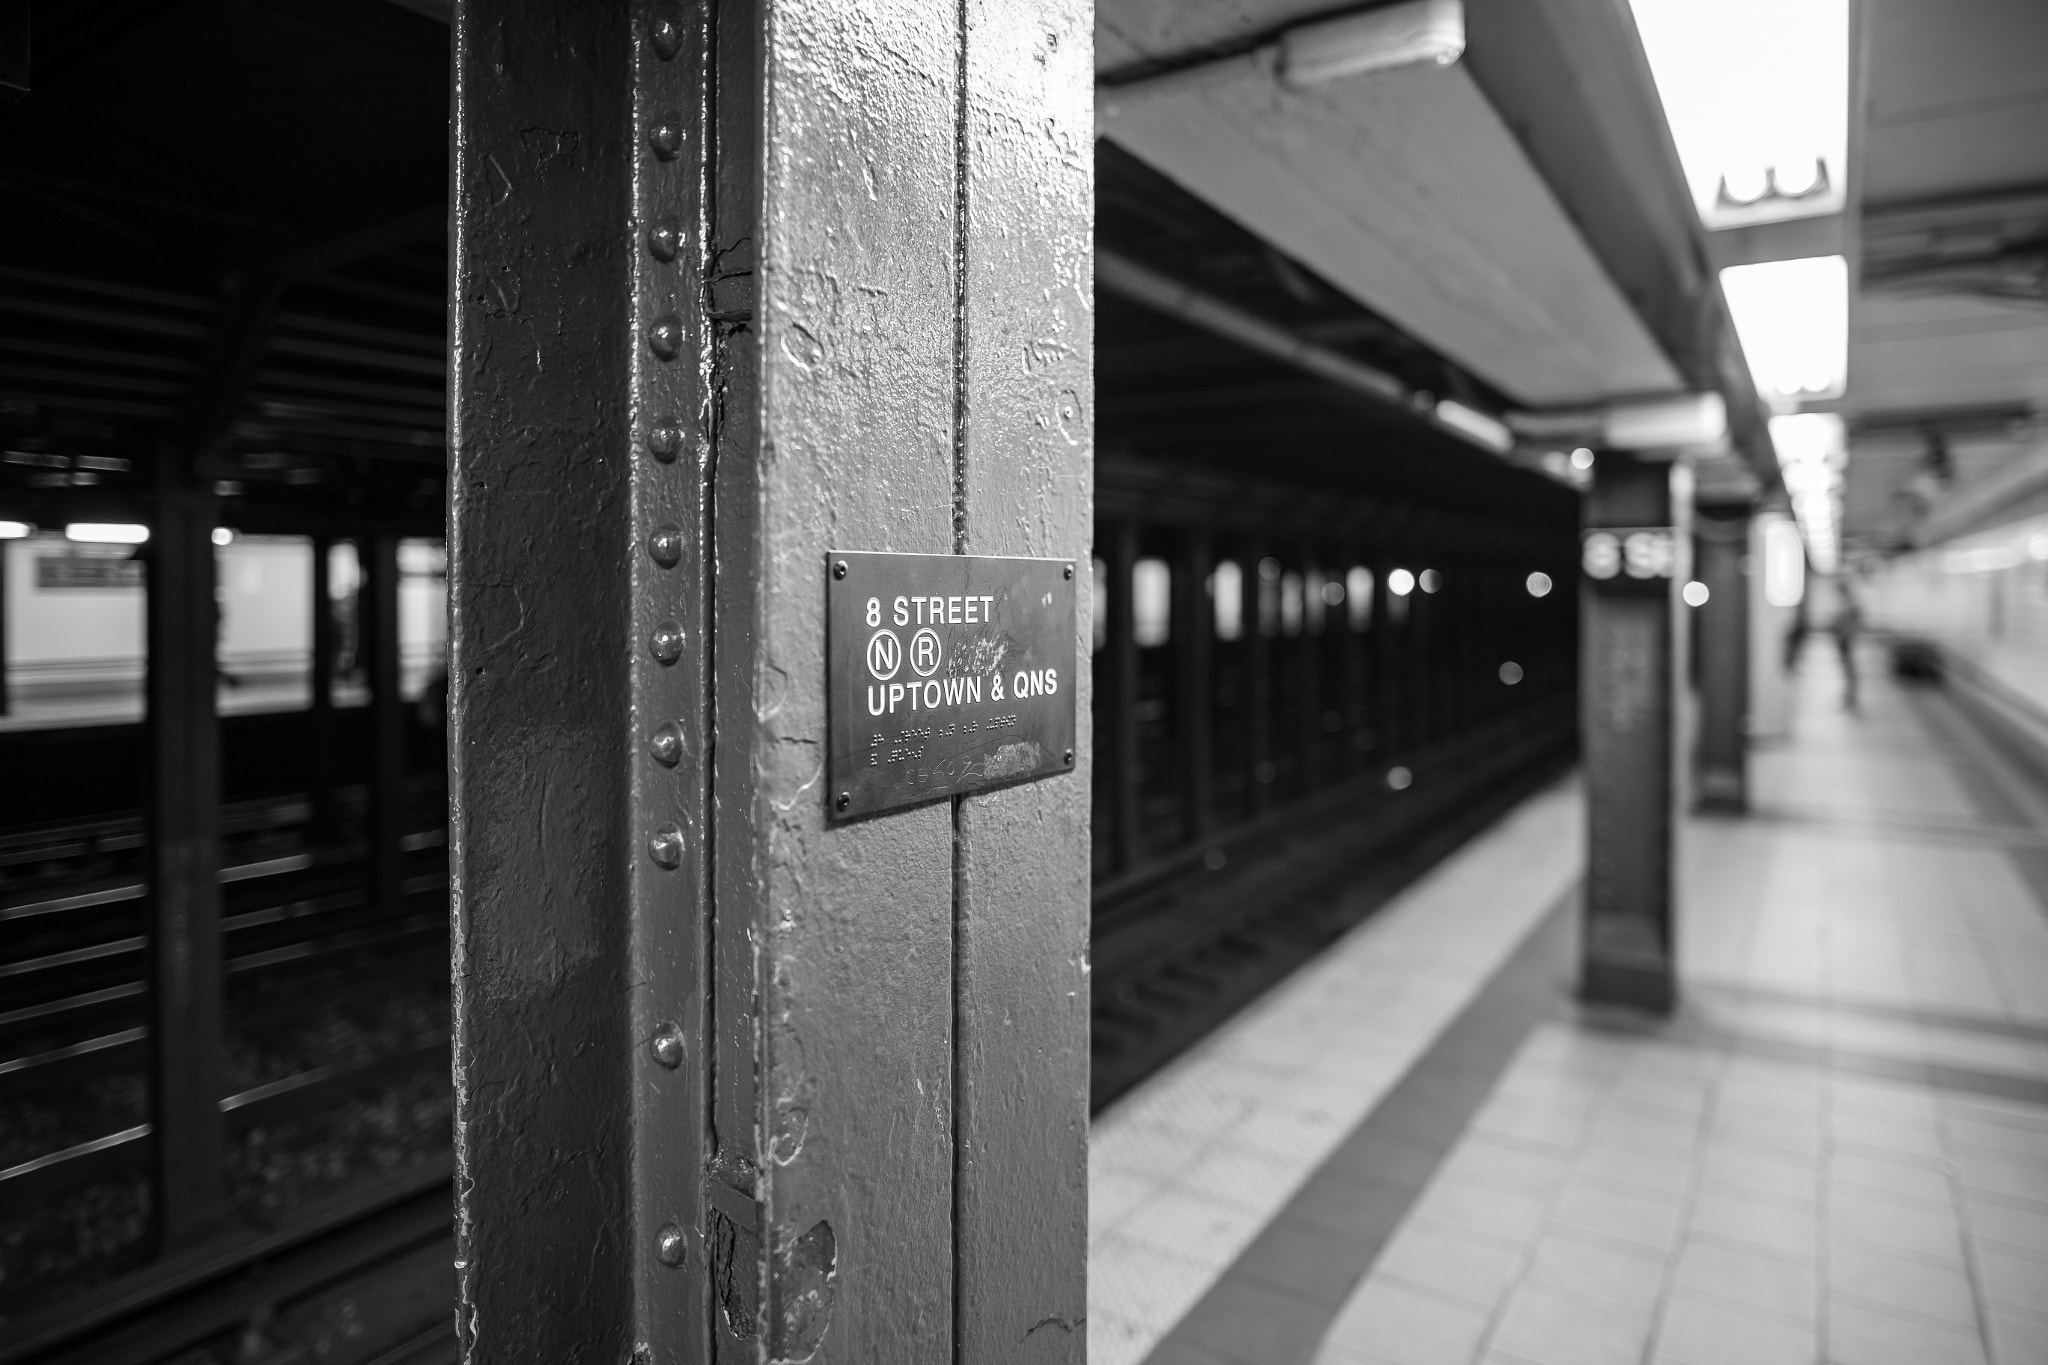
point(944, 674)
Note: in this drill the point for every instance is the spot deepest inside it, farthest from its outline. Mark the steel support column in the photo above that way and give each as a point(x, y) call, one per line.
point(3, 630)
point(1193, 637)
point(1720, 551)
point(384, 829)
point(1121, 656)
point(1629, 684)
point(323, 819)
point(1261, 607)
point(734, 286)
point(184, 866)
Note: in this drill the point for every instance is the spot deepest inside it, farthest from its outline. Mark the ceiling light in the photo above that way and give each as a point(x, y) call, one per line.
point(1689, 419)
point(106, 532)
point(1793, 320)
point(15, 530)
point(1784, 563)
point(1694, 594)
point(1757, 96)
point(223, 537)
point(1431, 31)
point(1487, 431)
point(1538, 584)
point(1400, 582)
point(1582, 458)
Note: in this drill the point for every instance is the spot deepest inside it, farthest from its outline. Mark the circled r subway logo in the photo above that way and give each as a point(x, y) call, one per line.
point(885, 655)
point(924, 652)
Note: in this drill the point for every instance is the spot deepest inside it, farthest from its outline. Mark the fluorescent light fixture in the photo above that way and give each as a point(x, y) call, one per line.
point(106, 532)
point(1757, 96)
point(1793, 320)
point(1689, 419)
point(1812, 449)
point(1488, 432)
point(15, 530)
point(1421, 31)
point(1784, 563)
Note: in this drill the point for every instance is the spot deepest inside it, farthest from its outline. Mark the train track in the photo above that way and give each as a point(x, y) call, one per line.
point(300, 937)
point(1174, 961)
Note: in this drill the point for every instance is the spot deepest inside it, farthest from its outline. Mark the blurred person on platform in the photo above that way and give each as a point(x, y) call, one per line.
point(1845, 627)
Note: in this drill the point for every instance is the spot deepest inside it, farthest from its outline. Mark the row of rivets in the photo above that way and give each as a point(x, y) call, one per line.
point(665, 546)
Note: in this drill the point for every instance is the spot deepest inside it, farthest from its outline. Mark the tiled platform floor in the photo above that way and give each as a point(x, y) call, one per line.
point(1837, 1150)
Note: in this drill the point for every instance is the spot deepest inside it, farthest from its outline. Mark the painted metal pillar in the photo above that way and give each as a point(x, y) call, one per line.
point(384, 829)
point(735, 286)
point(1121, 656)
point(1261, 629)
point(1193, 718)
point(183, 729)
point(1629, 681)
point(323, 817)
point(1720, 559)
point(3, 630)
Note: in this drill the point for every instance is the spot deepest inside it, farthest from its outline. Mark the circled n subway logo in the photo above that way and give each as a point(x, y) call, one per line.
point(885, 654)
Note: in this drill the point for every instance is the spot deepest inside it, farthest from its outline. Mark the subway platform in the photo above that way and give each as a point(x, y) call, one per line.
point(1420, 1150)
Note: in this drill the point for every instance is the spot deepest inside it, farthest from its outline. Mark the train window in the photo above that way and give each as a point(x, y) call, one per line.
point(1151, 602)
point(1290, 604)
point(1269, 596)
point(1098, 603)
point(1358, 589)
point(1312, 601)
point(1226, 586)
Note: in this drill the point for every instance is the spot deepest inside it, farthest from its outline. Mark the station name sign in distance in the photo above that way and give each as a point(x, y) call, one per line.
point(944, 674)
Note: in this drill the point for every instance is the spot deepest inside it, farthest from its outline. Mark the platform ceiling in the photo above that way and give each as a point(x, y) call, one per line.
point(1948, 358)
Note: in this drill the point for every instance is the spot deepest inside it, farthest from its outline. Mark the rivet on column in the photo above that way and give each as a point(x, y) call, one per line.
point(668, 38)
point(666, 847)
point(665, 337)
point(664, 439)
point(670, 1244)
point(665, 546)
point(666, 138)
point(667, 1044)
point(664, 239)
point(666, 744)
point(667, 642)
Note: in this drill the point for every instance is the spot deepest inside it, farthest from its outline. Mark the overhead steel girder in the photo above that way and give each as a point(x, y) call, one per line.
point(732, 285)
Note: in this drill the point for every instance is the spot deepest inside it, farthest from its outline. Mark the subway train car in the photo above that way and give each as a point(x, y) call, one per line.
point(1975, 610)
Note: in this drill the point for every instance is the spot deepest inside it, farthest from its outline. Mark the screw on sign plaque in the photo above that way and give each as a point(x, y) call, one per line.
point(945, 674)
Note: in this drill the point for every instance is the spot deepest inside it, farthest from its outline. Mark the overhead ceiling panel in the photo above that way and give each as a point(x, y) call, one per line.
point(1406, 189)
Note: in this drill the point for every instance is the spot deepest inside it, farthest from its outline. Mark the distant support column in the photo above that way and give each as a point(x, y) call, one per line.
point(320, 694)
point(1191, 662)
point(184, 868)
point(1628, 692)
point(385, 827)
point(1720, 546)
